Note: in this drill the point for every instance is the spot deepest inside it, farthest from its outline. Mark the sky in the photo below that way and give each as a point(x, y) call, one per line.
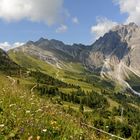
point(71, 21)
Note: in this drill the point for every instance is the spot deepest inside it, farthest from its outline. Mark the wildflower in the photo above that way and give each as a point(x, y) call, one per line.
point(39, 110)
point(56, 128)
point(53, 122)
point(47, 106)
point(12, 105)
point(32, 114)
point(30, 138)
point(27, 111)
point(71, 137)
point(38, 137)
point(1, 125)
point(22, 97)
point(44, 130)
point(4, 90)
point(22, 130)
point(33, 95)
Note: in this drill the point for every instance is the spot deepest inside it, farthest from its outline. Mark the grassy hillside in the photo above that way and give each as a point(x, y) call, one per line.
point(7, 65)
point(47, 116)
point(32, 116)
point(72, 73)
point(52, 104)
point(134, 81)
point(42, 107)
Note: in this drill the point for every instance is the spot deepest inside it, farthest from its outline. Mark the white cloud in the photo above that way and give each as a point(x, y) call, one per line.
point(129, 7)
point(7, 46)
point(103, 26)
point(132, 8)
point(62, 29)
point(48, 11)
point(75, 20)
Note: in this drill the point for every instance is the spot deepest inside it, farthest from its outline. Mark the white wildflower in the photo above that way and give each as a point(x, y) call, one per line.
point(12, 105)
point(44, 130)
point(39, 110)
point(1, 125)
point(28, 111)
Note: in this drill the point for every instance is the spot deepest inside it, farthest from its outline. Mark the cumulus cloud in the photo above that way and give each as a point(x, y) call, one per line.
point(62, 29)
point(103, 26)
point(7, 46)
point(75, 20)
point(48, 11)
point(130, 7)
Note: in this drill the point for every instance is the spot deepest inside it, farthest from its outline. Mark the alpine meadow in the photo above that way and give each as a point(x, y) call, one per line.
point(54, 89)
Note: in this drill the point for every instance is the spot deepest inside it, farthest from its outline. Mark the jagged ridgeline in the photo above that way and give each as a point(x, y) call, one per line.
point(114, 56)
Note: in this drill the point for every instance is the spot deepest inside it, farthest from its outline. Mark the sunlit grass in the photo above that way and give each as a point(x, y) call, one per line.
point(24, 115)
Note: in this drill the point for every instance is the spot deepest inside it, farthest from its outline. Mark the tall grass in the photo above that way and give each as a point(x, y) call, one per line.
point(25, 115)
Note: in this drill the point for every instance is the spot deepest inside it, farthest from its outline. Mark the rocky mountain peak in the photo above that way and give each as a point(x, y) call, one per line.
point(56, 42)
point(30, 42)
point(133, 24)
point(42, 39)
point(126, 31)
point(130, 26)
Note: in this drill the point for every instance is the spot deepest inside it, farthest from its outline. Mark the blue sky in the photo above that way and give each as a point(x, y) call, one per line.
point(71, 21)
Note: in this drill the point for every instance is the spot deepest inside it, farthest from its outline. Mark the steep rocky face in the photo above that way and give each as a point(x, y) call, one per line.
point(109, 46)
point(116, 54)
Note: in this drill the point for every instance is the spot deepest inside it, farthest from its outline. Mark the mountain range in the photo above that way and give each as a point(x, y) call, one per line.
point(58, 91)
point(114, 56)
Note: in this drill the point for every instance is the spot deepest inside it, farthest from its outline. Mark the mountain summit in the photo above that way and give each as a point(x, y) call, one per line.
point(120, 46)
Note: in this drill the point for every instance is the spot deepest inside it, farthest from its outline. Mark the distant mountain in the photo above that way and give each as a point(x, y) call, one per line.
point(52, 52)
point(50, 49)
point(114, 56)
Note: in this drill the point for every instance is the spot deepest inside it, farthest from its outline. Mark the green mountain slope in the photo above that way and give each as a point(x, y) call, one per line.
point(43, 105)
point(45, 111)
point(6, 64)
point(33, 116)
point(72, 72)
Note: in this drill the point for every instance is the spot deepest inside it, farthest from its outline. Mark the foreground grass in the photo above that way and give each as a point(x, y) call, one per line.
point(25, 115)
point(32, 116)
